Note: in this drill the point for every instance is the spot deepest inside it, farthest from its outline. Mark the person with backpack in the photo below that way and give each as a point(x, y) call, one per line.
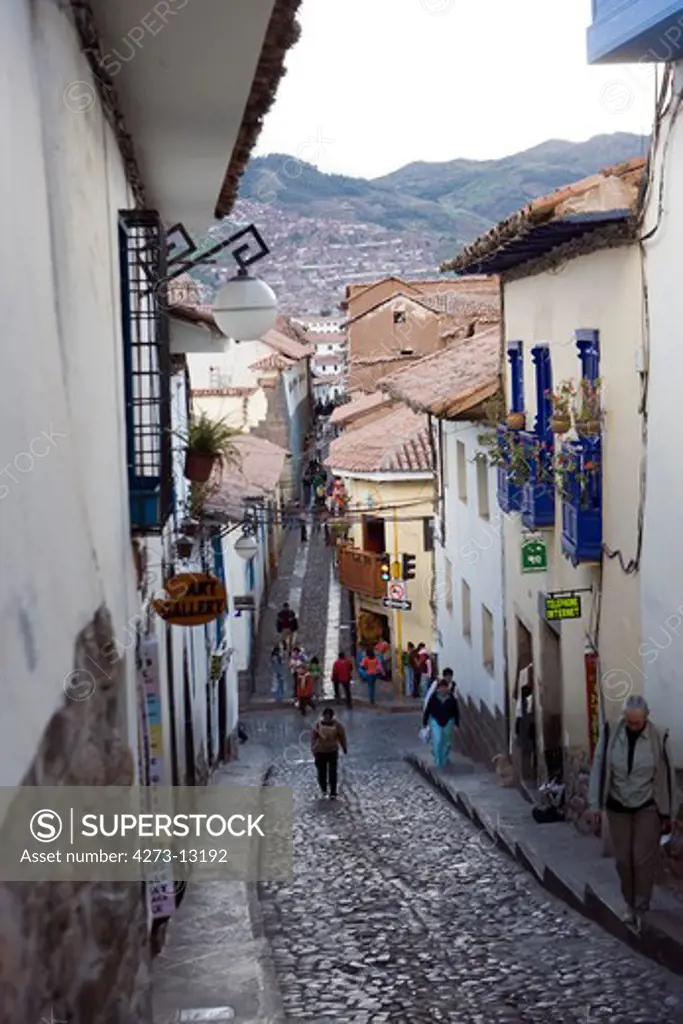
point(287, 626)
point(633, 780)
point(326, 739)
point(442, 716)
point(342, 674)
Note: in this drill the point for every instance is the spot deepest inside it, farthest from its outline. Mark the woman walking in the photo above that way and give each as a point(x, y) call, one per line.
point(277, 662)
point(442, 715)
point(632, 779)
point(372, 666)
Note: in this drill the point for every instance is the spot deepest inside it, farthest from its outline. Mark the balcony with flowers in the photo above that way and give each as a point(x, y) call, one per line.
point(578, 476)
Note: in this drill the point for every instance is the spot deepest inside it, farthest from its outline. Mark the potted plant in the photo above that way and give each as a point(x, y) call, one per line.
point(208, 442)
point(561, 418)
point(564, 467)
point(518, 461)
point(588, 414)
point(516, 420)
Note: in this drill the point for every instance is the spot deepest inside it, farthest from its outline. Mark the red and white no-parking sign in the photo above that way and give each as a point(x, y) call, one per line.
point(396, 590)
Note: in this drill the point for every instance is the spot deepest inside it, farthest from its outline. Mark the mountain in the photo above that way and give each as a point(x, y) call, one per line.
point(327, 230)
point(456, 200)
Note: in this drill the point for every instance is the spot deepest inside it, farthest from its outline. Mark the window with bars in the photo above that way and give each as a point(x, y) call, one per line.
point(147, 366)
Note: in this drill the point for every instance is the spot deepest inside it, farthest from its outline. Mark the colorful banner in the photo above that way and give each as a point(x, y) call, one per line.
point(161, 888)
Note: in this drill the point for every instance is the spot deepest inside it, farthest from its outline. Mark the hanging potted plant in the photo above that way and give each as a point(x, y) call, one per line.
point(588, 414)
point(561, 418)
point(208, 442)
point(565, 468)
point(516, 420)
point(518, 461)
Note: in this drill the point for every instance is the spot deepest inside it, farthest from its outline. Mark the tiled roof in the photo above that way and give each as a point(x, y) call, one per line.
point(272, 362)
point(286, 346)
point(283, 31)
point(396, 443)
point(257, 474)
point(452, 382)
point(417, 300)
point(614, 188)
point(237, 392)
point(357, 407)
point(395, 357)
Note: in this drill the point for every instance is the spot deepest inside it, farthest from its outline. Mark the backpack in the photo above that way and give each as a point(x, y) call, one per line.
point(327, 733)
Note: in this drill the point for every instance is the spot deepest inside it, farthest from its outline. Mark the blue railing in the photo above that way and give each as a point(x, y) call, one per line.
point(582, 502)
point(538, 492)
point(510, 490)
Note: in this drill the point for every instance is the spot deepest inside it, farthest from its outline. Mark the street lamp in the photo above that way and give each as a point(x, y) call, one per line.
point(245, 307)
point(247, 547)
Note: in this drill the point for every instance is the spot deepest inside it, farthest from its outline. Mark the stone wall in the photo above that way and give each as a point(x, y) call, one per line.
point(78, 951)
point(483, 734)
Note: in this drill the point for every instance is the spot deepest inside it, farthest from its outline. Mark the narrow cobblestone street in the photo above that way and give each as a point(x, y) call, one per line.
point(401, 911)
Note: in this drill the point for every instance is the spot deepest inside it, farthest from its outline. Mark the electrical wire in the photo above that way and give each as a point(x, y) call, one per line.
point(668, 104)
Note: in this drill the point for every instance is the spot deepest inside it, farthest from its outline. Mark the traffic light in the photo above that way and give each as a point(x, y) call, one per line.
point(386, 567)
point(409, 567)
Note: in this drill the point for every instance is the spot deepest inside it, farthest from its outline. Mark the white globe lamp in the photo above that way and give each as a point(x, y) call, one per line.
point(245, 308)
point(246, 548)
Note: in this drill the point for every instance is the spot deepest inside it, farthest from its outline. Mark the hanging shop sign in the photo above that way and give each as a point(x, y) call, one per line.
point(562, 606)
point(191, 599)
point(592, 699)
point(534, 556)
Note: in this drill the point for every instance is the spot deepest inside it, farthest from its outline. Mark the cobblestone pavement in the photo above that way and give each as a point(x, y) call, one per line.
point(400, 911)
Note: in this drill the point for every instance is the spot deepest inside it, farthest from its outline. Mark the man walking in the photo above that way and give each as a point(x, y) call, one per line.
point(327, 737)
point(287, 626)
point(342, 673)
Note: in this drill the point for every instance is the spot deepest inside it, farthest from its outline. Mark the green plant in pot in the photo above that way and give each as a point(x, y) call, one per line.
point(588, 413)
point(208, 442)
point(562, 398)
point(565, 466)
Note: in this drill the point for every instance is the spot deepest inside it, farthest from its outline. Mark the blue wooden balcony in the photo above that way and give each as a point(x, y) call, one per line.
point(510, 490)
point(582, 504)
point(538, 492)
point(635, 31)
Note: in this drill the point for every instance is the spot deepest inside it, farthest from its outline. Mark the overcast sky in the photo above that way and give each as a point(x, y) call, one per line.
point(375, 84)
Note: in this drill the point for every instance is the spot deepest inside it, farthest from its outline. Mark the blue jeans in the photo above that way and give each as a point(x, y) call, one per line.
point(409, 681)
point(280, 687)
point(442, 737)
point(425, 683)
point(371, 688)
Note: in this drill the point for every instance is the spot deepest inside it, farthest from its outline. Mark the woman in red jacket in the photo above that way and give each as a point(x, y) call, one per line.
point(342, 673)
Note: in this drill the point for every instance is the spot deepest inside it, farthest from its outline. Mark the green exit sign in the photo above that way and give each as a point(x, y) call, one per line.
point(562, 607)
point(534, 556)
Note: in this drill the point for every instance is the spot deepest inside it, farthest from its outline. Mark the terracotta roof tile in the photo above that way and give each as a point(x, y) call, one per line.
point(286, 346)
point(272, 362)
point(452, 382)
point(396, 443)
point(614, 188)
point(260, 467)
point(358, 407)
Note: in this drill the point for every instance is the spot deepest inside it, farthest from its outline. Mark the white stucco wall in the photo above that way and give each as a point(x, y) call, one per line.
point(65, 543)
point(601, 291)
point(662, 560)
point(473, 547)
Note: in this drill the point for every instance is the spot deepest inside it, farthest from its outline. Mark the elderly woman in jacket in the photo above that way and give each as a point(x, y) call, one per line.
point(632, 779)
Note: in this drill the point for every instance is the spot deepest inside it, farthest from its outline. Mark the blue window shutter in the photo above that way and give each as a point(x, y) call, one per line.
point(516, 360)
point(544, 384)
point(588, 344)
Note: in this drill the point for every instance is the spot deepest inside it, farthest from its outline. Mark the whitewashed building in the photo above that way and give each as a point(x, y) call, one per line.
point(647, 33)
point(451, 387)
point(582, 324)
point(103, 154)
